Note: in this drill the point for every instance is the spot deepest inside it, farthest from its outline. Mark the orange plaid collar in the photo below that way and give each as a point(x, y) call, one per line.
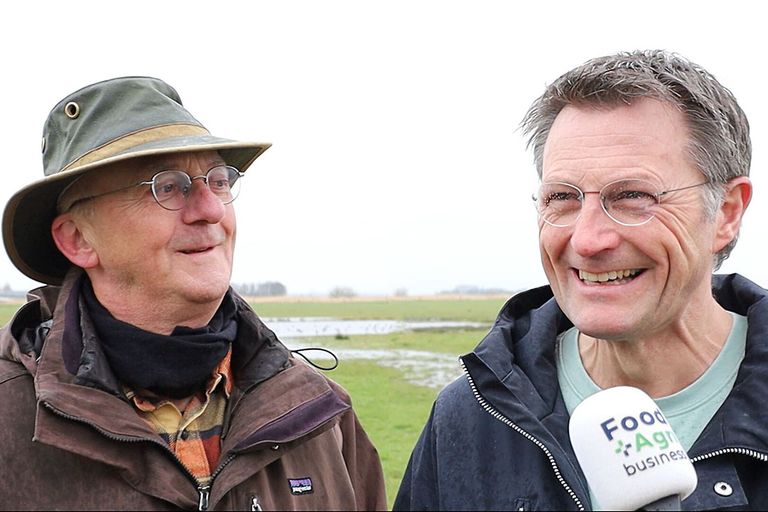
point(147, 401)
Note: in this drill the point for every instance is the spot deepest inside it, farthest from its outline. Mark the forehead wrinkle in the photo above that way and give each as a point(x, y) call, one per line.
point(599, 175)
point(606, 145)
point(619, 157)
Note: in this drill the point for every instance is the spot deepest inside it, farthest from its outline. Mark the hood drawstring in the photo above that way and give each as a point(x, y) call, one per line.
point(299, 353)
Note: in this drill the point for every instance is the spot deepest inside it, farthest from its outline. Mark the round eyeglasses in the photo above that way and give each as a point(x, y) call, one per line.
point(630, 202)
point(172, 188)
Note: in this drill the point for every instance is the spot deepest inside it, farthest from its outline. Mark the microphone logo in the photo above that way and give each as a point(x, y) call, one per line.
point(623, 448)
point(645, 438)
point(636, 439)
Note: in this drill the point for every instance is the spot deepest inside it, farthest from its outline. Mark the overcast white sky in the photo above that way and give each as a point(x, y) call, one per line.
point(396, 162)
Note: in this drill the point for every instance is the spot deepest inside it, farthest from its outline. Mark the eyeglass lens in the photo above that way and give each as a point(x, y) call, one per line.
point(171, 188)
point(628, 202)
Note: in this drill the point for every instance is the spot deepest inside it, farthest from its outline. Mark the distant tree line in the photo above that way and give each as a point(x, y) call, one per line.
point(7, 291)
point(342, 292)
point(265, 289)
point(467, 289)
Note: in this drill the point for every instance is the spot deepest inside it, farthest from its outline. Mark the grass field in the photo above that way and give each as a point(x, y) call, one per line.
point(6, 312)
point(475, 310)
point(392, 409)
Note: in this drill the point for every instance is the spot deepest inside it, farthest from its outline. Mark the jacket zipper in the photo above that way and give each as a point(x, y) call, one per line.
point(741, 451)
point(203, 491)
point(499, 416)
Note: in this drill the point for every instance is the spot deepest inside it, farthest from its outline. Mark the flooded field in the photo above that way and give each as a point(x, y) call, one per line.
point(297, 327)
point(419, 367)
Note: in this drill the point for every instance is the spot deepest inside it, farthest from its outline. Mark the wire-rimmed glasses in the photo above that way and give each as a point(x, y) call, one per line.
point(171, 188)
point(629, 202)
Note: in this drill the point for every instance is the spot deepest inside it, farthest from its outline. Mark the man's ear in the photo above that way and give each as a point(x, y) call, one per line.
point(738, 194)
point(67, 232)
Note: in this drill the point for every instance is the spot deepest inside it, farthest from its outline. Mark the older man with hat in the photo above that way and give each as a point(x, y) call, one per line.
point(137, 379)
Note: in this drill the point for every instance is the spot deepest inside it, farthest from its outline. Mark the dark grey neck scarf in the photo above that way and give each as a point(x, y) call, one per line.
point(177, 365)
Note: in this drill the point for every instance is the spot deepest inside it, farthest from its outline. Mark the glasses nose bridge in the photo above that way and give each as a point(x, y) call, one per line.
point(203, 177)
point(600, 199)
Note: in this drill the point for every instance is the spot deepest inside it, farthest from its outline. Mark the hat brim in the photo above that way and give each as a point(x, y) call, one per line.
point(30, 211)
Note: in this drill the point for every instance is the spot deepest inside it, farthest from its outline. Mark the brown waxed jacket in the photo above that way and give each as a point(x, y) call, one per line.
point(69, 440)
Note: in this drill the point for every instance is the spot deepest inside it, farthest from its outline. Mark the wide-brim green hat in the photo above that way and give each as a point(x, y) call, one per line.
point(103, 123)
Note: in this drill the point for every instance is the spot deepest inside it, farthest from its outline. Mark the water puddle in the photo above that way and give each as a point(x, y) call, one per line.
point(422, 368)
point(318, 326)
point(429, 369)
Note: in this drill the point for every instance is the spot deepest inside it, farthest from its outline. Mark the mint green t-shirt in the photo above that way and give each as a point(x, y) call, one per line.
point(689, 410)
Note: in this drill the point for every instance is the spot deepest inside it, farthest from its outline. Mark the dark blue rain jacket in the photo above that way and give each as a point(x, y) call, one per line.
point(497, 438)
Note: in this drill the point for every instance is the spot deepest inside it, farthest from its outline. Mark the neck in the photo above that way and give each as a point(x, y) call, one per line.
point(160, 315)
point(663, 362)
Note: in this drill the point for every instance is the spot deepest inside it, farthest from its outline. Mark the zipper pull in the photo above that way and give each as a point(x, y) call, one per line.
point(205, 493)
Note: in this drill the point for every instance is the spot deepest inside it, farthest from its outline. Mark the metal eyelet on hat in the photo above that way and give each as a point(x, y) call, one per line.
point(72, 110)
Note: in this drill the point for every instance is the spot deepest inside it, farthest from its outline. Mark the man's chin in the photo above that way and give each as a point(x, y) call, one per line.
point(204, 292)
point(605, 325)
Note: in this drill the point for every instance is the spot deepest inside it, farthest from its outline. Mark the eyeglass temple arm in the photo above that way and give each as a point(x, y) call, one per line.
point(665, 192)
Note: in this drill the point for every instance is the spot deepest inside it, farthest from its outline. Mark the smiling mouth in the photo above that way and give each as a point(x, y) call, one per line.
point(612, 277)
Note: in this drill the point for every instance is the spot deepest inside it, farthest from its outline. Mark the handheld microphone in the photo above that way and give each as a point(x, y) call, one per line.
point(629, 453)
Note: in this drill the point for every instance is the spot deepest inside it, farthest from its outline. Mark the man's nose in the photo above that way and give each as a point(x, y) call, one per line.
point(594, 231)
point(202, 204)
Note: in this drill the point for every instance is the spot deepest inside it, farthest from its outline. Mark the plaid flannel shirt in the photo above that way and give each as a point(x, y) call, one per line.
point(194, 432)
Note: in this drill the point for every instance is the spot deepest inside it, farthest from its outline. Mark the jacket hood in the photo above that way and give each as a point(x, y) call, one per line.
point(21, 340)
point(513, 349)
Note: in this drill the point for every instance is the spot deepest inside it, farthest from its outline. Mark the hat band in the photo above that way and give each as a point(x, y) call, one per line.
point(117, 146)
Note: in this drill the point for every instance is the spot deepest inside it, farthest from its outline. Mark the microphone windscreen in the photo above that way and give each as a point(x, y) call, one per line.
point(628, 451)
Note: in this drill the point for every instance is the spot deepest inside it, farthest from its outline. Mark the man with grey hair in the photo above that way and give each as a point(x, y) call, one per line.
point(137, 379)
point(643, 159)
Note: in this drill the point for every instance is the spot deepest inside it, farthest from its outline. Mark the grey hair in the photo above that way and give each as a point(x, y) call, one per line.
point(719, 131)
